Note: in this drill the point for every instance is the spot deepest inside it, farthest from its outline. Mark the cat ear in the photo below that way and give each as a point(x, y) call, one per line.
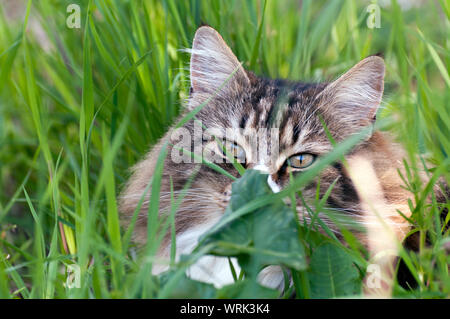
point(352, 100)
point(213, 63)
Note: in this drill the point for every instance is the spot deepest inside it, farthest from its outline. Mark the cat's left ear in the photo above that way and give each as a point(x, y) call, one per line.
point(352, 100)
point(214, 68)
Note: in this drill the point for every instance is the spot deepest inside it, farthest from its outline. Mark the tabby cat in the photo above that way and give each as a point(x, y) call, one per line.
point(237, 99)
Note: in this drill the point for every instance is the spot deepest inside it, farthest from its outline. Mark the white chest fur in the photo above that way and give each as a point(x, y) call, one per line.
point(216, 270)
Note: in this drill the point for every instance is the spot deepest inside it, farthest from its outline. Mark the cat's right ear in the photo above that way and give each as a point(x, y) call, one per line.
point(214, 68)
point(351, 102)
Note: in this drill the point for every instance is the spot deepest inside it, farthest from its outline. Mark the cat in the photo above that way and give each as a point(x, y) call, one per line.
point(239, 100)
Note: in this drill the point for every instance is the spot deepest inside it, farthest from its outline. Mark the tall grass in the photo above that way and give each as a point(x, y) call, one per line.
point(78, 107)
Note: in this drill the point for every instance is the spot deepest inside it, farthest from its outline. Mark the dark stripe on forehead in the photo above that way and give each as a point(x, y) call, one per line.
point(278, 93)
point(295, 133)
point(280, 99)
point(259, 93)
point(283, 128)
point(270, 115)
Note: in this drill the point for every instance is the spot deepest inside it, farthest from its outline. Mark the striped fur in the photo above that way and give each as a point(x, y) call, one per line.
point(242, 101)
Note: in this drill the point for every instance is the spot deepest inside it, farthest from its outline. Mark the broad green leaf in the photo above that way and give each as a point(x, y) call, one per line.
point(189, 288)
point(332, 273)
point(247, 289)
point(267, 236)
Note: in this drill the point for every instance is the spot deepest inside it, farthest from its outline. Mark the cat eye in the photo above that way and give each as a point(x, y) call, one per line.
point(301, 160)
point(234, 150)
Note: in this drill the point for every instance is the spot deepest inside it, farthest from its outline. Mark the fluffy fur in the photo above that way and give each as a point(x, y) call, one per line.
point(239, 100)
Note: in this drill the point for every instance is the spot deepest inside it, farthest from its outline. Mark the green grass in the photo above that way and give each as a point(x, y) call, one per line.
point(74, 117)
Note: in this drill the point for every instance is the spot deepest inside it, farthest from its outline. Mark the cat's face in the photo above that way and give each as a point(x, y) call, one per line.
point(275, 126)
